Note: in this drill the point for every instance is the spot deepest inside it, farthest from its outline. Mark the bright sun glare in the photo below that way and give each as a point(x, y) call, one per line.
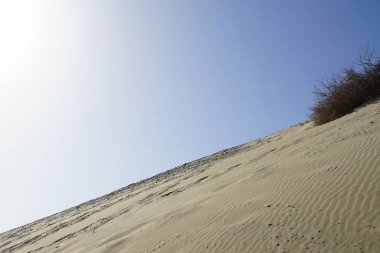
point(20, 26)
point(18, 31)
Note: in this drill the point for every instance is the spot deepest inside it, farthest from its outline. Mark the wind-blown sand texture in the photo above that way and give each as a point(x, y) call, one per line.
point(303, 189)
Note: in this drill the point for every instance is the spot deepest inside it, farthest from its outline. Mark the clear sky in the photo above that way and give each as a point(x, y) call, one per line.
point(95, 95)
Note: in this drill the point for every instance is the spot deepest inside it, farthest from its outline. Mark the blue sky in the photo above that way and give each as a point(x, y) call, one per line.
point(95, 95)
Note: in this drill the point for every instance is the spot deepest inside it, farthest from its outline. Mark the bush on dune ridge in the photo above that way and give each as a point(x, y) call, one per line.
point(344, 92)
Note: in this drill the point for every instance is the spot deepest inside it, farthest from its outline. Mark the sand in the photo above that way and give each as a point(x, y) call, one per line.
point(303, 189)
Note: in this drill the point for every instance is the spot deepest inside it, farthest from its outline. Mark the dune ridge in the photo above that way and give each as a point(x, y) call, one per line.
point(302, 189)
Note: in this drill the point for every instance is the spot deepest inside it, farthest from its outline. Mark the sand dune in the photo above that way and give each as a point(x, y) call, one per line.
point(303, 189)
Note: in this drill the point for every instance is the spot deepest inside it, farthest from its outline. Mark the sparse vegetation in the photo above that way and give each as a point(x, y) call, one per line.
point(342, 93)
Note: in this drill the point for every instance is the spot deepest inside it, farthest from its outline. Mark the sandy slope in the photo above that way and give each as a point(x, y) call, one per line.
point(304, 189)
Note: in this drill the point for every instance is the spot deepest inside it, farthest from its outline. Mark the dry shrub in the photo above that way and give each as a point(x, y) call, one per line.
point(342, 93)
